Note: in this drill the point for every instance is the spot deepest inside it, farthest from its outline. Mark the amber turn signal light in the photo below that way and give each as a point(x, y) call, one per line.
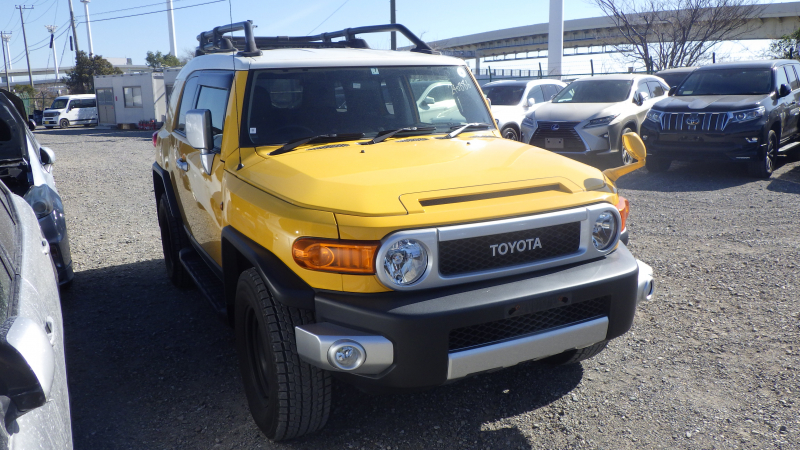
point(332, 255)
point(624, 208)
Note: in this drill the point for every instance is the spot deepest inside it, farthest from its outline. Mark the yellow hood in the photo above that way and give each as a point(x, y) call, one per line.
point(397, 178)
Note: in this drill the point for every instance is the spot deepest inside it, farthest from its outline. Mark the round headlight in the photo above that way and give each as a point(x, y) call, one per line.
point(405, 261)
point(604, 230)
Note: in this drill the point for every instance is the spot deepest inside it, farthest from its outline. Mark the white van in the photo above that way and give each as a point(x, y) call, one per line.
point(71, 110)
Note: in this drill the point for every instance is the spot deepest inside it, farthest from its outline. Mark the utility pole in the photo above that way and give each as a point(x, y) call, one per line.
point(52, 29)
point(25, 39)
point(555, 38)
point(88, 27)
point(6, 59)
point(393, 19)
point(74, 33)
point(171, 23)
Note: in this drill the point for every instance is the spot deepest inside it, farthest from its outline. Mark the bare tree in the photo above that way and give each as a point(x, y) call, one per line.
point(663, 34)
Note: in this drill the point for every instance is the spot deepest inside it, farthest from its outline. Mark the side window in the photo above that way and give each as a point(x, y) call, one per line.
point(655, 88)
point(90, 103)
point(796, 68)
point(643, 89)
point(550, 90)
point(780, 77)
point(791, 76)
point(536, 94)
point(215, 100)
point(444, 92)
point(132, 96)
point(187, 101)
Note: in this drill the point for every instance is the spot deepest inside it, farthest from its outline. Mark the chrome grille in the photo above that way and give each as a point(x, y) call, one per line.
point(565, 130)
point(694, 121)
point(50, 113)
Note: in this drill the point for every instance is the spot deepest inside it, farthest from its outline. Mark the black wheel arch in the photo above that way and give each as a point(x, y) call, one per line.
point(240, 253)
point(162, 185)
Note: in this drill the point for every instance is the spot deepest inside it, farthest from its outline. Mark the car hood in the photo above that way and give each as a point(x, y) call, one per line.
point(709, 103)
point(575, 112)
point(370, 180)
point(13, 124)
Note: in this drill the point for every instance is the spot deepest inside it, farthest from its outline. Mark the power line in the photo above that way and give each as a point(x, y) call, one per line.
point(160, 11)
point(135, 7)
point(326, 19)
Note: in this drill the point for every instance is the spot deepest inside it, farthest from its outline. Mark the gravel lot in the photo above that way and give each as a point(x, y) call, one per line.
point(711, 363)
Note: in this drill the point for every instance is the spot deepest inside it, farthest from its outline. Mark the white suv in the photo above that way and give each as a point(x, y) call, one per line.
point(512, 100)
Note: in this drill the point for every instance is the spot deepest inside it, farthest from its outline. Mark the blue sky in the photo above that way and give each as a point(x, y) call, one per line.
point(132, 37)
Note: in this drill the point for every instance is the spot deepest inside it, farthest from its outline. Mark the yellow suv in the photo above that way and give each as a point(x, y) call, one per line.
point(347, 227)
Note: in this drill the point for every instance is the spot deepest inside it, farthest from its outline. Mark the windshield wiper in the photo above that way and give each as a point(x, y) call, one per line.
point(291, 145)
point(459, 128)
point(389, 134)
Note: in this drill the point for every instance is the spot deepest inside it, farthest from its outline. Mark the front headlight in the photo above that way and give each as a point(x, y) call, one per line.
point(746, 115)
point(405, 261)
point(654, 116)
point(599, 122)
point(605, 230)
point(529, 122)
point(43, 200)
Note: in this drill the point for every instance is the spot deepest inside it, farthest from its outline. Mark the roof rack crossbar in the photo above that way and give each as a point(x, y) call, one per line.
point(213, 41)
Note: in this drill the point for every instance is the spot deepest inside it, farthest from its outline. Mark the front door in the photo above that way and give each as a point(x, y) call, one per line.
point(105, 106)
point(200, 192)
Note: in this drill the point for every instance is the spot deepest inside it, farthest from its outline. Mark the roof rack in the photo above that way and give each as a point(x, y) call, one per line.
point(215, 41)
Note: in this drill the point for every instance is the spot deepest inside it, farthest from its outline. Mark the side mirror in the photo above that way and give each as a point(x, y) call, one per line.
point(672, 91)
point(429, 101)
point(638, 98)
point(27, 365)
point(200, 135)
point(47, 156)
point(784, 90)
point(531, 102)
point(633, 143)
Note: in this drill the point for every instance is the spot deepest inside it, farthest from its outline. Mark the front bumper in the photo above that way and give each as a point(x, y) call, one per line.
point(407, 335)
point(733, 144)
point(600, 140)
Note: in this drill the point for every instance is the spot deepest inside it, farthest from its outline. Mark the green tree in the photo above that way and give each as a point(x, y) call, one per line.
point(81, 79)
point(786, 47)
point(157, 59)
point(25, 90)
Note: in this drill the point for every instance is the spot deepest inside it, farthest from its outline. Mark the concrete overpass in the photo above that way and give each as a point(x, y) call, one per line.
point(774, 21)
point(19, 75)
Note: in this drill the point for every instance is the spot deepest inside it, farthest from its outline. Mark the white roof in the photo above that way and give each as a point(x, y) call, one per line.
point(617, 77)
point(294, 58)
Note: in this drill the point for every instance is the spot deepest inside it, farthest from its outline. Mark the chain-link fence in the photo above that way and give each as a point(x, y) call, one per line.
point(35, 104)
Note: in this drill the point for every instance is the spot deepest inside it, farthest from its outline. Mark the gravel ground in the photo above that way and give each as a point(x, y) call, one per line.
point(712, 362)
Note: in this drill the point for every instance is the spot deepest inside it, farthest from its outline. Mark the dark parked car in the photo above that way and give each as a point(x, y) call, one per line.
point(673, 77)
point(34, 402)
point(26, 168)
point(741, 111)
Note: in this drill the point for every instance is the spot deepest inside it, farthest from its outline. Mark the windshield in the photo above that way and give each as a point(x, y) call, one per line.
point(504, 95)
point(285, 105)
point(59, 103)
point(673, 79)
point(595, 91)
point(727, 82)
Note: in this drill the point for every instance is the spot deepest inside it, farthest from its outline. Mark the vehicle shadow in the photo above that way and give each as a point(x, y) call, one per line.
point(152, 366)
point(788, 182)
point(688, 177)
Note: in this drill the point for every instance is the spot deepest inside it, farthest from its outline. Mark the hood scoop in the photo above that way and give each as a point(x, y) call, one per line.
point(329, 146)
point(482, 195)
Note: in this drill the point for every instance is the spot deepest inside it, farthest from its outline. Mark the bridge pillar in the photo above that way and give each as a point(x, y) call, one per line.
point(555, 38)
point(478, 66)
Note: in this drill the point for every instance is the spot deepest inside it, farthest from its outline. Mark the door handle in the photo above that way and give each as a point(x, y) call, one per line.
point(182, 164)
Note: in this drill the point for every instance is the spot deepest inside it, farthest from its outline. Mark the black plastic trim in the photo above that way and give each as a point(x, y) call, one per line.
point(419, 322)
point(284, 285)
point(165, 187)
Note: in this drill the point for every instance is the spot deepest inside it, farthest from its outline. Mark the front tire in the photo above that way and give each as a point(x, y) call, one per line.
point(172, 243)
point(287, 396)
point(765, 165)
point(510, 133)
point(64, 123)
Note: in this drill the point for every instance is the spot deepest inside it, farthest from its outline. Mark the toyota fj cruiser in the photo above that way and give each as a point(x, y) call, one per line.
point(345, 232)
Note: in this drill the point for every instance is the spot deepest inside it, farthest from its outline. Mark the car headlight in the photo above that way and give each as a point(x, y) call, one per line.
point(599, 122)
point(405, 261)
point(654, 116)
point(43, 200)
point(746, 115)
point(529, 122)
point(604, 230)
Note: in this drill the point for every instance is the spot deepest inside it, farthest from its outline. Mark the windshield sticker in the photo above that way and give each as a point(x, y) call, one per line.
point(461, 72)
point(374, 71)
point(462, 86)
point(252, 131)
point(356, 85)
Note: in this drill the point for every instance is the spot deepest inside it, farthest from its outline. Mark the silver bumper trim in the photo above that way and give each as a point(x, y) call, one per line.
point(510, 353)
point(314, 340)
point(647, 284)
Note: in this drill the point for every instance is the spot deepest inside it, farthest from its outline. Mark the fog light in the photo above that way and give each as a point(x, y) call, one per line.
point(346, 355)
point(751, 140)
point(644, 137)
point(604, 136)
